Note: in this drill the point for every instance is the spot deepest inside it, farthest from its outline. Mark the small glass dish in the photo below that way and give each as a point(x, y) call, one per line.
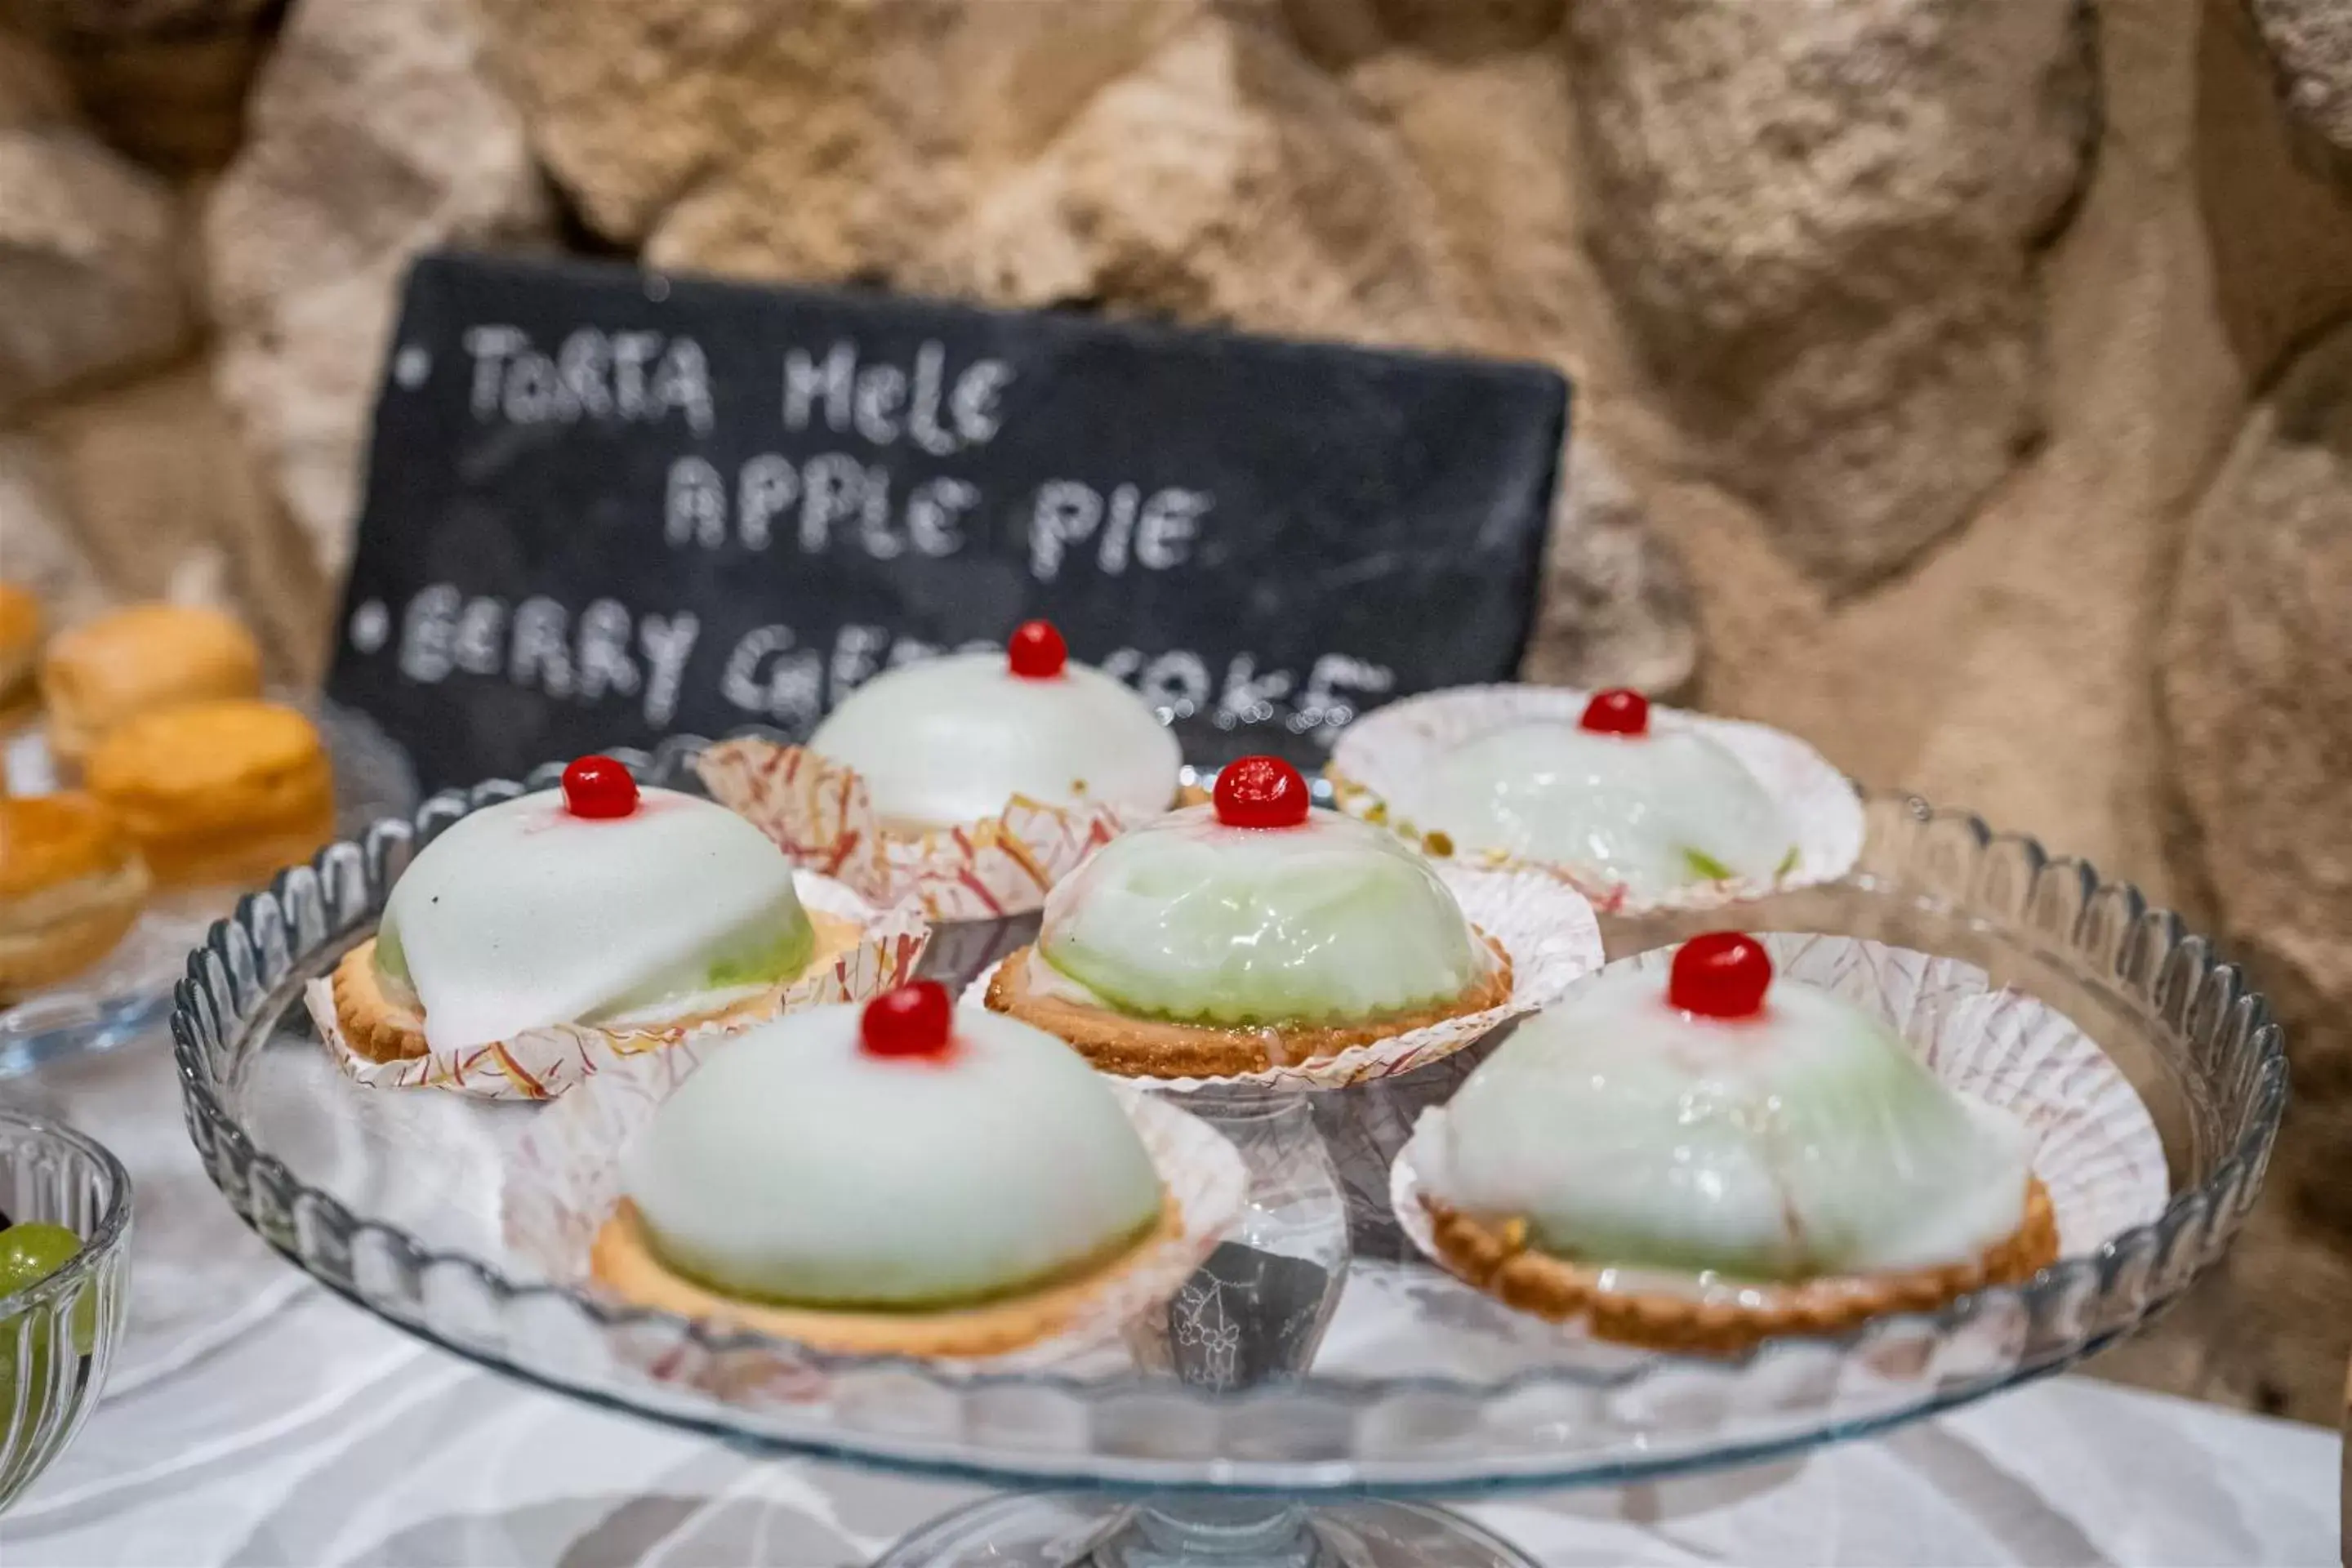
point(58, 1336)
point(128, 991)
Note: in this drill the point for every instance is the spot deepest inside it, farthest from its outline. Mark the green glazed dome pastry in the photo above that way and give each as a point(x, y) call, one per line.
point(1250, 933)
point(1618, 803)
point(1728, 1153)
point(900, 1177)
point(604, 905)
point(952, 740)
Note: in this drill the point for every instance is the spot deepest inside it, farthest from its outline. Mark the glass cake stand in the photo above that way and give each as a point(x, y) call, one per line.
point(1315, 1382)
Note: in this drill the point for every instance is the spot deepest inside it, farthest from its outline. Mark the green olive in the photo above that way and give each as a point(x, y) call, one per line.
point(30, 1253)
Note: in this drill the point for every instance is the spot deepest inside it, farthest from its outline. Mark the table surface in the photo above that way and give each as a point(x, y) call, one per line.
point(257, 1420)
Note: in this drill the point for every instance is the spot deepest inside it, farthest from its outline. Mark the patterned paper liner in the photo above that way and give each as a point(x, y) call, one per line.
point(565, 1181)
point(541, 1064)
point(1379, 757)
point(1544, 924)
point(2097, 1150)
point(818, 811)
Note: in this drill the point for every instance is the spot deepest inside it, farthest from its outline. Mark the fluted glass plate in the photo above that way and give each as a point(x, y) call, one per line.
point(1419, 1384)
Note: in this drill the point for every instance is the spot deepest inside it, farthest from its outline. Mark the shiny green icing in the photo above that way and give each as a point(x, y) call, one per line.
point(1191, 921)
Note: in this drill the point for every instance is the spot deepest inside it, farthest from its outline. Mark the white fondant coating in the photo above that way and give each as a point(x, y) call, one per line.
point(1630, 805)
point(793, 1167)
point(522, 915)
point(686, 1004)
point(1329, 921)
point(952, 739)
point(1806, 1141)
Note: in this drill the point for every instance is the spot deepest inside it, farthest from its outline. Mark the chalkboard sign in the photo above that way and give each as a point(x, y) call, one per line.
point(606, 505)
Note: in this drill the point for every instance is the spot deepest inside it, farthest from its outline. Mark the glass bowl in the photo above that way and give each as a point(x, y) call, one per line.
point(1419, 1384)
point(58, 1336)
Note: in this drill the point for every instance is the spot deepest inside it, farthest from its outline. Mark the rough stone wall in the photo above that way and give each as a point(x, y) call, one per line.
point(1962, 383)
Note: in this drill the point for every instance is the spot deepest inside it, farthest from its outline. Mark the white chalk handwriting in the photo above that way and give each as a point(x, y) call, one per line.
point(640, 377)
point(773, 674)
point(882, 404)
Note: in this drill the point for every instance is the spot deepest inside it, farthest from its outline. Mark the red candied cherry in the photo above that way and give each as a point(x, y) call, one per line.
point(1723, 974)
point(1036, 651)
point(1617, 711)
point(914, 1020)
point(1261, 791)
point(599, 787)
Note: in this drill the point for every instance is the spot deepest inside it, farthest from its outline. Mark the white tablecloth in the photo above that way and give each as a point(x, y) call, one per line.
point(263, 1422)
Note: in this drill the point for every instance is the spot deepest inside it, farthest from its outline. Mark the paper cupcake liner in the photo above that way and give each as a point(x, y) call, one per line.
point(818, 811)
point(1380, 757)
point(1544, 924)
point(2096, 1150)
point(539, 1064)
point(563, 1181)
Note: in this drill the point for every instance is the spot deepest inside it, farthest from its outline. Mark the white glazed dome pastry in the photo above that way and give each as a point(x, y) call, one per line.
point(1610, 799)
point(1251, 933)
point(901, 1177)
point(954, 740)
point(604, 905)
point(1727, 1160)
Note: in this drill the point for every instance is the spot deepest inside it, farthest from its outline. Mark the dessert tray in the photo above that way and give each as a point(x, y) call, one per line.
point(130, 989)
point(1317, 1374)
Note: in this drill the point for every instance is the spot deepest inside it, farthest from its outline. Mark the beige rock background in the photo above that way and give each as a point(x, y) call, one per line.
point(1966, 386)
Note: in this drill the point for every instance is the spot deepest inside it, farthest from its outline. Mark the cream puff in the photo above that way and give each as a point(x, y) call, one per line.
point(105, 671)
point(1702, 1164)
point(71, 883)
point(1250, 933)
point(601, 904)
point(900, 1177)
point(219, 793)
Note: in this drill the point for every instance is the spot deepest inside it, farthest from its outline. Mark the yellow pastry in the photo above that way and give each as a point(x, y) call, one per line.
point(70, 885)
point(20, 643)
point(132, 661)
point(217, 793)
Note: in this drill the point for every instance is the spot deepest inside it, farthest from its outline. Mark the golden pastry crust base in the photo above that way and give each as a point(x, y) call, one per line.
point(384, 1030)
point(624, 1264)
point(1154, 1047)
point(1496, 1258)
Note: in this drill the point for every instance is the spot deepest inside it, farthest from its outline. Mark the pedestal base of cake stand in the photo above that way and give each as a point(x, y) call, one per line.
point(1082, 1529)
